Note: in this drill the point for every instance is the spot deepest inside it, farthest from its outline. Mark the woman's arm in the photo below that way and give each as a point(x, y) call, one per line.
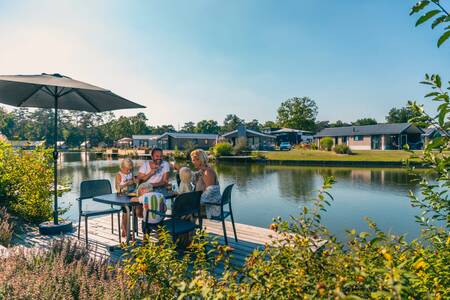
point(209, 177)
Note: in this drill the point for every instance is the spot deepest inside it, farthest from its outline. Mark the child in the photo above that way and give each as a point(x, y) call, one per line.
point(185, 180)
point(123, 182)
point(124, 178)
point(151, 201)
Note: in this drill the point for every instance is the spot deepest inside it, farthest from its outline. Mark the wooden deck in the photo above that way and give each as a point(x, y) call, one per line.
point(102, 241)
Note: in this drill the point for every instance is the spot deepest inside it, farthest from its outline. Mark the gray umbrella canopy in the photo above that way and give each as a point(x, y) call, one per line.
point(58, 92)
point(40, 91)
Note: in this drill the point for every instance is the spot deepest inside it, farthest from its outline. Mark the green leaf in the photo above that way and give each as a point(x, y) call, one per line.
point(443, 38)
point(427, 16)
point(438, 21)
point(419, 6)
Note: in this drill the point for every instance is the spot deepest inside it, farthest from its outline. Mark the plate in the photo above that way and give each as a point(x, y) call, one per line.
point(132, 194)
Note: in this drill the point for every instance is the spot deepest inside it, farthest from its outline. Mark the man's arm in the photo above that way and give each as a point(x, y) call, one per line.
point(163, 182)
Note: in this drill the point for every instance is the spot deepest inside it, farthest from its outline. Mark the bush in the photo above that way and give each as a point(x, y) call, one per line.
point(342, 149)
point(63, 272)
point(314, 146)
point(26, 178)
point(6, 229)
point(223, 149)
point(326, 143)
point(240, 146)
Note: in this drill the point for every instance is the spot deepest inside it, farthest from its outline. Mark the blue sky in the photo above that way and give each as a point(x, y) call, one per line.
point(194, 60)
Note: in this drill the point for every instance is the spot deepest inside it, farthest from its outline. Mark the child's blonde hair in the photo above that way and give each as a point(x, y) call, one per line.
point(186, 179)
point(127, 163)
point(146, 186)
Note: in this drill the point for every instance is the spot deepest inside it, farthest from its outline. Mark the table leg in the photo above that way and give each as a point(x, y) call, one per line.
point(127, 209)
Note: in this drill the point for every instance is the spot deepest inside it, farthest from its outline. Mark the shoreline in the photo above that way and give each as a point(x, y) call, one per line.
point(319, 163)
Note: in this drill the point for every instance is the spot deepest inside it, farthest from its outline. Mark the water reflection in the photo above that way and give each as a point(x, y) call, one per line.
point(265, 191)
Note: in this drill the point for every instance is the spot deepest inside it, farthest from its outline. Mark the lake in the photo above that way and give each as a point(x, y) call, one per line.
point(263, 192)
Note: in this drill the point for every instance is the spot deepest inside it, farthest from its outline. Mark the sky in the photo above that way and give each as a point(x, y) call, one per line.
point(204, 59)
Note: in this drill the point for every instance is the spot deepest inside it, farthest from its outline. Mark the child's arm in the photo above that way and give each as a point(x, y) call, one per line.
point(135, 199)
point(117, 182)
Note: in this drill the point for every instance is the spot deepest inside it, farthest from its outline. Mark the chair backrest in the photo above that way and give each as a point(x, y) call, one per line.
point(186, 204)
point(226, 195)
point(92, 188)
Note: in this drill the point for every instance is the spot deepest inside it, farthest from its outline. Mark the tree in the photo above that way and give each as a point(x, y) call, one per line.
point(365, 121)
point(163, 129)
point(298, 113)
point(320, 125)
point(440, 15)
point(339, 123)
point(400, 115)
point(230, 123)
point(253, 125)
point(207, 126)
point(270, 124)
point(188, 127)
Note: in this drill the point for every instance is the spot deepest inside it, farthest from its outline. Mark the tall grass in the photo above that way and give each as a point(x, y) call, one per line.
point(64, 272)
point(6, 228)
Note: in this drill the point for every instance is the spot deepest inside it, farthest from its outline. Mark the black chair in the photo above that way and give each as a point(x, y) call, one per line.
point(187, 204)
point(88, 190)
point(226, 199)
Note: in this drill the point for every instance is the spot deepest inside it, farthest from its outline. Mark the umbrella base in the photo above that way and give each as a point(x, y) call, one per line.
point(49, 228)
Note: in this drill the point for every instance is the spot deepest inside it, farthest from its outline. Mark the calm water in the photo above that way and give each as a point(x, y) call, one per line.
point(262, 192)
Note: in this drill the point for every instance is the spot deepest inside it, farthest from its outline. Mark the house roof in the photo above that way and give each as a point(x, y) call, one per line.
point(145, 136)
point(396, 128)
point(125, 140)
point(186, 135)
point(249, 131)
point(289, 130)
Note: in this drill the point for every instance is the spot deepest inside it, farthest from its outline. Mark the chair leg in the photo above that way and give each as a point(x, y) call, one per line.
point(112, 224)
point(86, 229)
point(79, 225)
point(224, 231)
point(232, 223)
point(118, 223)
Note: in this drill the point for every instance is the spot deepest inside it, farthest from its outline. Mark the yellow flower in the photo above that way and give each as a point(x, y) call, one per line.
point(420, 264)
point(386, 255)
point(447, 243)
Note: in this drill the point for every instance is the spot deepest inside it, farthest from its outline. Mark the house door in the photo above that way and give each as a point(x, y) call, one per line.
point(376, 142)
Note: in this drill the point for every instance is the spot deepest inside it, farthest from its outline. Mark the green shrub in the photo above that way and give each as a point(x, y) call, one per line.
point(342, 149)
point(326, 143)
point(223, 149)
point(240, 146)
point(63, 272)
point(6, 229)
point(314, 146)
point(26, 179)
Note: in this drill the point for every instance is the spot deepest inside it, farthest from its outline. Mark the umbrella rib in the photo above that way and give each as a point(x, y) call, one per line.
point(87, 100)
point(29, 96)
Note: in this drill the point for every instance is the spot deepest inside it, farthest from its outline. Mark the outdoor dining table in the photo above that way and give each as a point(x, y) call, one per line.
point(124, 201)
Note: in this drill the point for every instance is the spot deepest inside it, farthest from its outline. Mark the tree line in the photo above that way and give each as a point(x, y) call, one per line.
point(76, 127)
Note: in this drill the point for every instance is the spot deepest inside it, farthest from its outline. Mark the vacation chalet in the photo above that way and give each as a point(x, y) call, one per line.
point(182, 141)
point(255, 140)
point(375, 137)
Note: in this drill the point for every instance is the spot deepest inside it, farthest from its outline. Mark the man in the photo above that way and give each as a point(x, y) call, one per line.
point(155, 171)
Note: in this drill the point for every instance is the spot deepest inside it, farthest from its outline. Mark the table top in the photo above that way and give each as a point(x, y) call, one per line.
point(125, 200)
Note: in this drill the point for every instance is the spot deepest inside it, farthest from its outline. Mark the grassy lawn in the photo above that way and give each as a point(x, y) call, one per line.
point(361, 155)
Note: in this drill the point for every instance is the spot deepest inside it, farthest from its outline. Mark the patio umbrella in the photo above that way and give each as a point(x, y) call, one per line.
point(58, 92)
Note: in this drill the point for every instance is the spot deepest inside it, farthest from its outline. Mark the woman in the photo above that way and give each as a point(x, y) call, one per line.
point(206, 181)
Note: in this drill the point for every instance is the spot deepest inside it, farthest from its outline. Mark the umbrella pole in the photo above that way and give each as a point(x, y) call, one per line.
point(55, 227)
point(55, 164)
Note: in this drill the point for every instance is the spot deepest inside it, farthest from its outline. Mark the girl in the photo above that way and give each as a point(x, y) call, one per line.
point(124, 182)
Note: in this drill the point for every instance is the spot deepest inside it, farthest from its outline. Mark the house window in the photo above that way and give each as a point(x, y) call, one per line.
point(358, 138)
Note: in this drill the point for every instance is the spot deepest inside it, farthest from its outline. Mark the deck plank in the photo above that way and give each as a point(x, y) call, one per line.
point(101, 239)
